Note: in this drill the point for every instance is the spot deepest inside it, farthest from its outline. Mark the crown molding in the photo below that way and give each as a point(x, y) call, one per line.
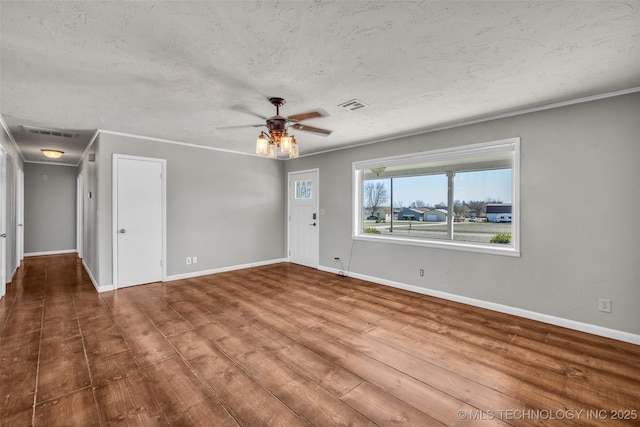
point(10, 135)
point(170, 141)
point(487, 118)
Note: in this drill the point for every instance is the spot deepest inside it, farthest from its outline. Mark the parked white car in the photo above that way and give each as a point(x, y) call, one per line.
point(503, 218)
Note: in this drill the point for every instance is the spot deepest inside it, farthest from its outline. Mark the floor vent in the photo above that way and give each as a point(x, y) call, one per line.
point(352, 105)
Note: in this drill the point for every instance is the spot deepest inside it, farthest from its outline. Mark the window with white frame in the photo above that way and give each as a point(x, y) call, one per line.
point(462, 198)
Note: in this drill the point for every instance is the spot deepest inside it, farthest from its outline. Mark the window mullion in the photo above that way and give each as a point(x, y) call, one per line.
point(450, 177)
point(391, 205)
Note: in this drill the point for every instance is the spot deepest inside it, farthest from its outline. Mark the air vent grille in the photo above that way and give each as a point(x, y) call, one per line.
point(352, 105)
point(49, 132)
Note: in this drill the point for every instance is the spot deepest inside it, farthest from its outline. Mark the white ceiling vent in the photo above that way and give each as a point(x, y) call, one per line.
point(49, 132)
point(352, 105)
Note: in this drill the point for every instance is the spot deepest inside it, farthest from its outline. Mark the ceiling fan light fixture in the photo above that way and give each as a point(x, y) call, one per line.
point(262, 144)
point(272, 151)
point(285, 143)
point(52, 154)
point(276, 136)
point(293, 151)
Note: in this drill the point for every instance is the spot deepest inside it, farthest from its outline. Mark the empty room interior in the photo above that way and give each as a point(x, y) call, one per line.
point(317, 213)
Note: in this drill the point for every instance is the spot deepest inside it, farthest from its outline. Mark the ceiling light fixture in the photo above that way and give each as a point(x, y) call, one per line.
point(267, 144)
point(52, 154)
point(378, 171)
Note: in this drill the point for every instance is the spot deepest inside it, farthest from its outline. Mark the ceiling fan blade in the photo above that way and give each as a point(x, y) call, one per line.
point(240, 126)
point(242, 109)
point(304, 116)
point(306, 128)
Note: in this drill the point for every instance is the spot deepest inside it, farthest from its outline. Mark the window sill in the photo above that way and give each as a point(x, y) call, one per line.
point(506, 250)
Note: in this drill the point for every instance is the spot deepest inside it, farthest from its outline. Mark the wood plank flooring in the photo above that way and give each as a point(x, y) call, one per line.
point(285, 345)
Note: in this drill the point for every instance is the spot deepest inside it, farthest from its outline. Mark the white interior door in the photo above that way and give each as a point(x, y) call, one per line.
point(303, 218)
point(19, 218)
point(79, 215)
point(138, 220)
point(3, 222)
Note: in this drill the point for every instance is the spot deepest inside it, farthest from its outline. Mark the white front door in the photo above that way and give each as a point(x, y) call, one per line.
point(303, 218)
point(138, 220)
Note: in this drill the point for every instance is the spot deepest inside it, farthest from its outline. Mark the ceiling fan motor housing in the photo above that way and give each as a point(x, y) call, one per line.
point(277, 123)
point(277, 127)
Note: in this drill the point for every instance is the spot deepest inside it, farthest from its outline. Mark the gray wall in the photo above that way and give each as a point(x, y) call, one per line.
point(49, 208)
point(89, 173)
point(580, 199)
point(204, 189)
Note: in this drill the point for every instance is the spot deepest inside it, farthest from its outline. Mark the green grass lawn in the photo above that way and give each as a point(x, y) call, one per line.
point(460, 227)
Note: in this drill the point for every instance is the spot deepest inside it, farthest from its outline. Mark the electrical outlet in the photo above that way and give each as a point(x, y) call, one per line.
point(188, 260)
point(195, 259)
point(421, 272)
point(604, 304)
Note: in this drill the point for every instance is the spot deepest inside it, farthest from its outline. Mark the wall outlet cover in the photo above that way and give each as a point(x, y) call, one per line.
point(604, 305)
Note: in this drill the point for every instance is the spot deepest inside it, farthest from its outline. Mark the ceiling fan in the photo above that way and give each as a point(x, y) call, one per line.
point(278, 135)
point(278, 122)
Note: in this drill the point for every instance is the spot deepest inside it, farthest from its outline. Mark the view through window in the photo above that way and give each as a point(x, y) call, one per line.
point(463, 195)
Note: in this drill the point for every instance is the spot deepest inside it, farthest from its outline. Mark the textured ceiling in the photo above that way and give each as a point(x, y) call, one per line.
point(181, 70)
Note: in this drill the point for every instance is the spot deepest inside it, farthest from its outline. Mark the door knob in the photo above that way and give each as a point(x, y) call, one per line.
point(314, 224)
point(122, 231)
point(3, 235)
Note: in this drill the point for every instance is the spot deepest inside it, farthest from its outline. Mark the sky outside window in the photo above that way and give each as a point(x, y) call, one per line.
point(494, 185)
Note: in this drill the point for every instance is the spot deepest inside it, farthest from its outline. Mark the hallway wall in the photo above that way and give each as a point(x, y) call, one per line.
point(49, 208)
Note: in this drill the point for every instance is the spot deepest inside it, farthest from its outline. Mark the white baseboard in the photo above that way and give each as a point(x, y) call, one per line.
point(103, 288)
point(540, 317)
point(93, 280)
point(221, 269)
point(106, 288)
point(64, 251)
point(13, 273)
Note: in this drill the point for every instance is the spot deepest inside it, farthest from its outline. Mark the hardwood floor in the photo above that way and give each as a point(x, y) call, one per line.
point(287, 345)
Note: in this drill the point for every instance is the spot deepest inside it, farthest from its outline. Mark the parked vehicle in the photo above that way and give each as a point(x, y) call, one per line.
point(503, 218)
point(373, 217)
point(473, 219)
point(458, 219)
